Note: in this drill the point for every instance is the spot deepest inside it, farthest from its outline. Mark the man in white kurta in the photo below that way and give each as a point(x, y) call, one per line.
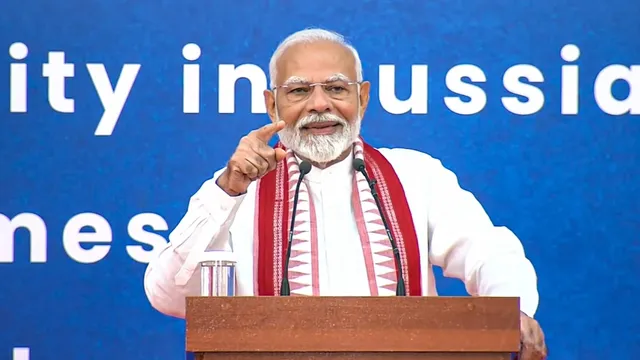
point(316, 103)
point(452, 228)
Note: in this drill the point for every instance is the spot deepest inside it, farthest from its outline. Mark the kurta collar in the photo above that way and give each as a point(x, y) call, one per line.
point(342, 168)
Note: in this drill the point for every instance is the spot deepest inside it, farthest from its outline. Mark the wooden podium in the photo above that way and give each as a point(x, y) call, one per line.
point(362, 328)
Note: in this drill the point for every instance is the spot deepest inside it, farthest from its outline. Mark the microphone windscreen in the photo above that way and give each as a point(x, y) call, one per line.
point(358, 164)
point(304, 167)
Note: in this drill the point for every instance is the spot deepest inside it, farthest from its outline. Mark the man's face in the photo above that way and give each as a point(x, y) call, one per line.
point(321, 121)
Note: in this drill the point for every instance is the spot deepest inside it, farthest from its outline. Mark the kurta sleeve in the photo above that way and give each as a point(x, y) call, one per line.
point(205, 226)
point(467, 245)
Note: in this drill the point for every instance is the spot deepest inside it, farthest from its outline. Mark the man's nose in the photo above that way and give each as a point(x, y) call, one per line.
point(318, 100)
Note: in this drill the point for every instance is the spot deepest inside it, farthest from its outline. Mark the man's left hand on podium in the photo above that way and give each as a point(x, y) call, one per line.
point(532, 342)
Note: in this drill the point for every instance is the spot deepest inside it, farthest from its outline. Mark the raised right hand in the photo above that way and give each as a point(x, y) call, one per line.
point(252, 159)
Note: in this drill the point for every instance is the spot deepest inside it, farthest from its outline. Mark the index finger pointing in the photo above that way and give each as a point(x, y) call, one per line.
point(266, 132)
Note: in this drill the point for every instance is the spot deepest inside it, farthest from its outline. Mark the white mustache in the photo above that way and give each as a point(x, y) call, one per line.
point(315, 118)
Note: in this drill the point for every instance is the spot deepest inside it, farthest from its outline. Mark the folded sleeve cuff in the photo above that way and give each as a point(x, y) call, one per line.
point(211, 212)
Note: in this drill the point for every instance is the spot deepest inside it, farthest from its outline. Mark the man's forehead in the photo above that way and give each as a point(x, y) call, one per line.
point(316, 62)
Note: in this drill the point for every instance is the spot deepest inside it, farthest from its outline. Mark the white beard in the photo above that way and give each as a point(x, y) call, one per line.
point(320, 148)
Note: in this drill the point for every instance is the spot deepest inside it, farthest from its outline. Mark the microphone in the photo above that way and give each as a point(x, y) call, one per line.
point(304, 167)
point(358, 165)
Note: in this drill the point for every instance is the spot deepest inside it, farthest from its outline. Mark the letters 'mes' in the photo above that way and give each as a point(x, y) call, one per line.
point(86, 238)
point(463, 82)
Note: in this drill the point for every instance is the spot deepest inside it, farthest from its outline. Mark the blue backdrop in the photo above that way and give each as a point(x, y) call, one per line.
point(90, 204)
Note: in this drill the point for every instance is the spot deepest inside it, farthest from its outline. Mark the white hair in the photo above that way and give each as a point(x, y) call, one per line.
point(309, 36)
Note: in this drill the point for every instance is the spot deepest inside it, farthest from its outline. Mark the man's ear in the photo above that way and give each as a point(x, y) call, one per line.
point(270, 104)
point(365, 87)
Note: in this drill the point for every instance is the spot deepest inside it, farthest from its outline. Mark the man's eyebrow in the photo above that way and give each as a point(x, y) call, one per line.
point(337, 77)
point(294, 80)
point(300, 79)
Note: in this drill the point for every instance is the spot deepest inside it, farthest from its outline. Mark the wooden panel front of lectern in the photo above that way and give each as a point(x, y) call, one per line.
point(352, 356)
point(359, 328)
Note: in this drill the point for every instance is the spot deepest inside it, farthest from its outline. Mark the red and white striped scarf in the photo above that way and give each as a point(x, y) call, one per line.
point(274, 199)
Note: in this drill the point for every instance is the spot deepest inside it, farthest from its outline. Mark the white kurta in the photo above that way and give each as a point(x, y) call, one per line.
point(454, 232)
